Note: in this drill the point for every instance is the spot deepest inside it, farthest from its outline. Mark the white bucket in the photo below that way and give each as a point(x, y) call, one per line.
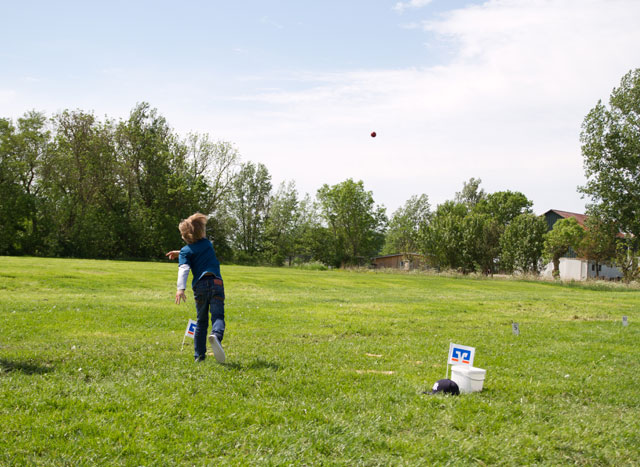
point(468, 378)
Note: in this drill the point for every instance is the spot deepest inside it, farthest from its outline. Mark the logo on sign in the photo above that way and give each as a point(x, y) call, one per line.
point(191, 328)
point(460, 355)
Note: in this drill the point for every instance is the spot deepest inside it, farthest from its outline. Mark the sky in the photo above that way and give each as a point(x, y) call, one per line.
point(495, 90)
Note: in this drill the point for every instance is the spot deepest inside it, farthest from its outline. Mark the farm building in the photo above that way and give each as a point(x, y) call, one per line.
point(579, 269)
point(405, 261)
point(571, 266)
point(553, 215)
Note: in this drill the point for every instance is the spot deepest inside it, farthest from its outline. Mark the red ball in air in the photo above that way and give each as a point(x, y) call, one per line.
point(373, 134)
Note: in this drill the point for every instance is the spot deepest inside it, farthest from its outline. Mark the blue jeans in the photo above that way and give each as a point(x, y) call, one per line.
point(209, 297)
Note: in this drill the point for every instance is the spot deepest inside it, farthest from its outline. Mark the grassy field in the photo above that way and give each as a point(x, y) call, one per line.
point(323, 368)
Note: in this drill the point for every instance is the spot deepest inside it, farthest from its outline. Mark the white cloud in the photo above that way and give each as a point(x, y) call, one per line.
point(401, 6)
point(507, 108)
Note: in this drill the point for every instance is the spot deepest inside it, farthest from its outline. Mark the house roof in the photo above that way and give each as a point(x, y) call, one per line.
point(396, 254)
point(566, 214)
point(579, 217)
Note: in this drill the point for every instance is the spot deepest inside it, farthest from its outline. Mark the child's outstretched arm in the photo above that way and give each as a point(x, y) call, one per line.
point(183, 273)
point(173, 254)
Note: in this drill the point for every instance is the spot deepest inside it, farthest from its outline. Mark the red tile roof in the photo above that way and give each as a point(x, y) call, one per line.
point(579, 217)
point(565, 214)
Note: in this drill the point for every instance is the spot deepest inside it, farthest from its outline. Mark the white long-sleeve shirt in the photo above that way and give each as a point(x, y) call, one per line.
point(183, 274)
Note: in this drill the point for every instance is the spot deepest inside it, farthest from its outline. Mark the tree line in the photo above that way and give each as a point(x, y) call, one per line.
point(75, 186)
point(498, 232)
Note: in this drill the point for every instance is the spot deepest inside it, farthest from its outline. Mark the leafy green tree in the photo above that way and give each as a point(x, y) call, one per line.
point(611, 150)
point(471, 193)
point(213, 162)
point(22, 151)
point(220, 226)
point(249, 208)
point(504, 206)
point(443, 238)
point(480, 243)
point(117, 190)
point(81, 187)
point(627, 257)
point(212, 167)
point(599, 241)
point(313, 240)
point(404, 227)
point(11, 194)
point(75, 186)
point(355, 222)
point(161, 185)
point(466, 233)
point(522, 243)
point(566, 234)
point(282, 225)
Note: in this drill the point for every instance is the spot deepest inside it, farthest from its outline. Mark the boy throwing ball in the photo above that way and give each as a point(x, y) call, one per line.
point(199, 257)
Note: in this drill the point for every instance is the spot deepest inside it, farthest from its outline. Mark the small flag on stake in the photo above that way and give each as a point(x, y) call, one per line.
point(191, 331)
point(625, 321)
point(460, 355)
point(516, 328)
point(191, 328)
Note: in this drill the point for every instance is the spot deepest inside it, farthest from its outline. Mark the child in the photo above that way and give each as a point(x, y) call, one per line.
point(208, 289)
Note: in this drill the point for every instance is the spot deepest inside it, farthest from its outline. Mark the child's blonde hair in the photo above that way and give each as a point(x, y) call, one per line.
point(193, 228)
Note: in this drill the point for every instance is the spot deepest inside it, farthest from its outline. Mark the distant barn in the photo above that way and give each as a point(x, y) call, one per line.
point(404, 261)
point(553, 215)
point(573, 267)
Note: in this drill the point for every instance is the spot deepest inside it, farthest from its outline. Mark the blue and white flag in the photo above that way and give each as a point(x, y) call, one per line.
point(191, 328)
point(461, 354)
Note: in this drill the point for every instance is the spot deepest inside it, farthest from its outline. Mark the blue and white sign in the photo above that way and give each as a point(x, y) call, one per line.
point(461, 354)
point(191, 328)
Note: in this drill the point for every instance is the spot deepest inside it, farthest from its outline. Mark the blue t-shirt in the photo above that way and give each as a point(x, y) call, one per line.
point(201, 258)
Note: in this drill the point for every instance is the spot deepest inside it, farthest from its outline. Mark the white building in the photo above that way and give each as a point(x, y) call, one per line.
point(572, 267)
point(579, 269)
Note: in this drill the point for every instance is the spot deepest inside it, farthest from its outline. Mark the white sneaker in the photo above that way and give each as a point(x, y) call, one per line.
point(217, 349)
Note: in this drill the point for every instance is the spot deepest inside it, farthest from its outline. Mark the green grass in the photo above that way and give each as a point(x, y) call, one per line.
point(92, 371)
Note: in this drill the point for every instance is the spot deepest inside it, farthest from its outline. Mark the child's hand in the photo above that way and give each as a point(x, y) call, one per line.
point(173, 254)
point(180, 296)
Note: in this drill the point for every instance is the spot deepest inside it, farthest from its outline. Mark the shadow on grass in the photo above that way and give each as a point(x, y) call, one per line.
point(10, 366)
point(257, 364)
